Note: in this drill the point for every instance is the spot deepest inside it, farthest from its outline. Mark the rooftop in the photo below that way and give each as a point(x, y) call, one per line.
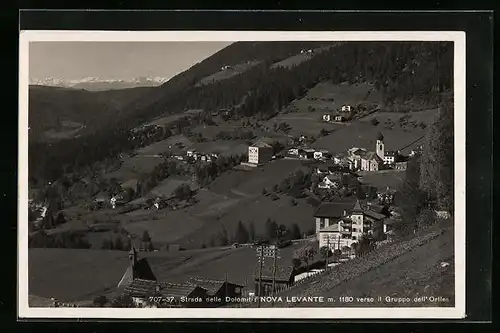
point(333, 209)
point(144, 288)
point(212, 286)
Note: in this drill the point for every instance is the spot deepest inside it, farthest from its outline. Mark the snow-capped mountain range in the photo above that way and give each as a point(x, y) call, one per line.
point(96, 84)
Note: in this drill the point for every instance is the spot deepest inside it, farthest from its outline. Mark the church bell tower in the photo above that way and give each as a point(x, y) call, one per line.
point(380, 146)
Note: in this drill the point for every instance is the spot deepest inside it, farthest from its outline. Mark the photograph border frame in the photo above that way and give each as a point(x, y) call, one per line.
point(456, 312)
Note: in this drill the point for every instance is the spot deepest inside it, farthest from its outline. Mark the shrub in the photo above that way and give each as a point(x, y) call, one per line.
point(375, 121)
point(274, 197)
point(100, 301)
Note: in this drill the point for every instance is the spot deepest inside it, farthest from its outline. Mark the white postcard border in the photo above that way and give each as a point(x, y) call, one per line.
point(459, 39)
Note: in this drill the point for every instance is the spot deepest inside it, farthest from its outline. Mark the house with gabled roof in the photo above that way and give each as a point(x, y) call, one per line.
point(343, 223)
point(217, 288)
point(147, 293)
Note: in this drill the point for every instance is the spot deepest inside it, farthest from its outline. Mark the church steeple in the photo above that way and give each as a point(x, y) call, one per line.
point(357, 207)
point(132, 256)
point(379, 149)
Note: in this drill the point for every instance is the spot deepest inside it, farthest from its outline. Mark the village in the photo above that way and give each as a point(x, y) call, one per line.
point(343, 228)
point(243, 181)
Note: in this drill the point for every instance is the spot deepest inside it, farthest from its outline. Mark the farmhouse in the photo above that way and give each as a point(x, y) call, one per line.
point(147, 293)
point(260, 152)
point(401, 165)
point(386, 197)
point(345, 108)
point(120, 199)
point(283, 278)
point(217, 288)
point(306, 153)
point(339, 118)
point(330, 181)
point(342, 224)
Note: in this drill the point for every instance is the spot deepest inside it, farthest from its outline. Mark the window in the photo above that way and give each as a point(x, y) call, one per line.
point(354, 237)
point(321, 223)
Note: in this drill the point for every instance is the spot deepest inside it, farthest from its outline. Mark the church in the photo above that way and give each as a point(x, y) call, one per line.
point(373, 161)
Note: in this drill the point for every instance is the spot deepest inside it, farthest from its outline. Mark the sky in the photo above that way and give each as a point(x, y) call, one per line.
point(116, 60)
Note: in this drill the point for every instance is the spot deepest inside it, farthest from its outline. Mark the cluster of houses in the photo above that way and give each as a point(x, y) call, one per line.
point(140, 283)
point(343, 114)
point(202, 157)
point(356, 159)
point(380, 159)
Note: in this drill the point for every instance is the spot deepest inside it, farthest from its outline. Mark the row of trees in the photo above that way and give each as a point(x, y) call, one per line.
point(66, 240)
point(429, 183)
point(206, 172)
point(247, 233)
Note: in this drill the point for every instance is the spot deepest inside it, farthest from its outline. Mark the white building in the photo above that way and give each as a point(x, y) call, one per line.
point(321, 154)
point(330, 182)
point(346, 108)
point(390, 157)
point(259, 153)
point(340, 224)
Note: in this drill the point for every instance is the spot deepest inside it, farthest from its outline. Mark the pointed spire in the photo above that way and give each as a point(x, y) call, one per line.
point(357, 207)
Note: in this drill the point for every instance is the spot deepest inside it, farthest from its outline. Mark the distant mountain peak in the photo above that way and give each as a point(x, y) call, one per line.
point(96, 83)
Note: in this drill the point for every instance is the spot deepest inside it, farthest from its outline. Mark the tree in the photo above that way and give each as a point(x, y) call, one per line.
point(128, 246)
point(305, 253)
point(107, 244)
point(295, 231)
point(324, 132)
point(241, 235)
point(222, 237)
point(271, 229)
point(60, 218)
point(325, 252)
point(145, 236)
point(380, 136)
point(296, 262)
point(437, 168)
point(118, 243)
point(375, 121)
point(251, 231)
point(364, 245)
point(123, 301)
point(183, 191)
point(100, 301)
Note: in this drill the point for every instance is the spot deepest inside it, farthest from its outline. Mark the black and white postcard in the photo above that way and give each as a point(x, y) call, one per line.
point(242, 174)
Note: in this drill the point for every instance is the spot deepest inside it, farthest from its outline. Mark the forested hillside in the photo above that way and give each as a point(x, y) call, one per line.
point(419, 75)
point(49, 106)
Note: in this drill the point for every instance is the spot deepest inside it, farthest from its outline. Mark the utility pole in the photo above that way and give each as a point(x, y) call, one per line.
point(225, 284)
point(327, 252)
point(260, 253)
point(275, 257)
